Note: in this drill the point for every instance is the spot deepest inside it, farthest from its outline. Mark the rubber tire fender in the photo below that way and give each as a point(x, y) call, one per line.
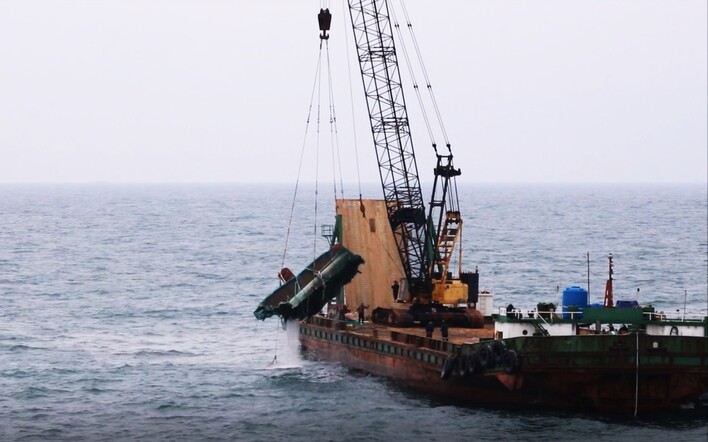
point(498, 350)
point(486, 357)
point(448, 367)
point(465, 365)
point(473, 365)
point(510, 362)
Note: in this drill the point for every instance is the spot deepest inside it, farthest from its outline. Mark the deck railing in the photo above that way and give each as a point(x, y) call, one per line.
point(534, 314)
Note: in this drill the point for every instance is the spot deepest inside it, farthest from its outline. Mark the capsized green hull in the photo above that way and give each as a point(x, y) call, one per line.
point(307, 293)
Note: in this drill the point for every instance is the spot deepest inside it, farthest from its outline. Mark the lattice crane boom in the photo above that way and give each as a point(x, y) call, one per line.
point(425, 241)
point(390, 128)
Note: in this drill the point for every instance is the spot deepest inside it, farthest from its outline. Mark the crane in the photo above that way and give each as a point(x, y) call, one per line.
point(426, 241)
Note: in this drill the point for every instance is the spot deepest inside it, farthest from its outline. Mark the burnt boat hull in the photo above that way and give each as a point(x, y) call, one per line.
point(591, 373)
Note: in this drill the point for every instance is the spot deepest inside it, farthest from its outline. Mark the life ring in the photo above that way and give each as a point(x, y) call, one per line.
point(486, 357)
point(673, 331)
point(498, 349)
point(447, 368)
point(510, 362)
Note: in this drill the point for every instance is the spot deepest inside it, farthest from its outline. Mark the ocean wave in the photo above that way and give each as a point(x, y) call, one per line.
point(163, 353)
point(16, 373)
point(22, 348)
point(33, 392)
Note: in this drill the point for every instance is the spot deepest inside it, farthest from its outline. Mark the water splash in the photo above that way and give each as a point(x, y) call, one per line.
point(288, 354)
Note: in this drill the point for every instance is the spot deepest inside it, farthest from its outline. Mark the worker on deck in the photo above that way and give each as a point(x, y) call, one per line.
point(394, 290)
point(443, 330)
point(429, 329)
point(360, 311)
point(342, 311)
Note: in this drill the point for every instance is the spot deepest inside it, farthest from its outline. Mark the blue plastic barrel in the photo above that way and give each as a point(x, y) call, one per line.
point(575, 298)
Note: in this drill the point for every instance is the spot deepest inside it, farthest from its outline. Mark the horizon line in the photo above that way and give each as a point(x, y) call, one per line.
point(348, 183)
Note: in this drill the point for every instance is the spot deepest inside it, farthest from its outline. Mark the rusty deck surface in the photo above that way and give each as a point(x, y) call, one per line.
point(455, 335)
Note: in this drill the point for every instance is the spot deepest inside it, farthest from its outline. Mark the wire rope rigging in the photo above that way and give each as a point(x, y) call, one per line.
point(315, 116)
point(321, 107)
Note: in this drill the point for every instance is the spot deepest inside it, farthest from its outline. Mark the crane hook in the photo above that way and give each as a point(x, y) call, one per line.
point(325, 19)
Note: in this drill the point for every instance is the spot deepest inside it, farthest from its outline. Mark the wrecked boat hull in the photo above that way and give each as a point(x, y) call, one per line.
point(307, 293)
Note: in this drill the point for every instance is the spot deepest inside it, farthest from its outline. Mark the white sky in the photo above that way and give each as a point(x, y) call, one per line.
point(218, 91)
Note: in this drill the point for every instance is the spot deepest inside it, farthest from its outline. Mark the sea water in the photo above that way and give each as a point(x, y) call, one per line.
point(126, 311)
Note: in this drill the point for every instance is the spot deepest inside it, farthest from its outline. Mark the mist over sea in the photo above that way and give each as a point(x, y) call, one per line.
point(126, 311)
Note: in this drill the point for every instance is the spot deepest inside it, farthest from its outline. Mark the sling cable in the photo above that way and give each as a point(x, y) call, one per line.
point(324, 19)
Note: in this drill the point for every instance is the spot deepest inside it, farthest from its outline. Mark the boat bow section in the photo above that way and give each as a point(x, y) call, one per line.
point(307, 293)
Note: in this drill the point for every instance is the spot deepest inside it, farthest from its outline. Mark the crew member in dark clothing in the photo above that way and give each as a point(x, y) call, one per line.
point(511, 313)
point(394, 289)
point(429, 328)
point(360, 310)
point(443, 330)
point(342, 310)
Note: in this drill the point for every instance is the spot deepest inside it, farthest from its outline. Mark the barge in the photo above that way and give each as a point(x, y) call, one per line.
point(630, 373)
point(624, 358)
